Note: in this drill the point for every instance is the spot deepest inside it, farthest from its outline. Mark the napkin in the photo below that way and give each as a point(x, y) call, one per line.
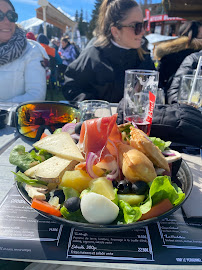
point(193, 205)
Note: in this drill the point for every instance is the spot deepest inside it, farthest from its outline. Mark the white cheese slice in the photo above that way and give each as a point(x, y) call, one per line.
point(61, 145)
point(51, 170)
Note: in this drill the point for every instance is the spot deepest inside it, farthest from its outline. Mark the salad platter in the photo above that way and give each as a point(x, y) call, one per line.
point(104, 178)
point(184, 178)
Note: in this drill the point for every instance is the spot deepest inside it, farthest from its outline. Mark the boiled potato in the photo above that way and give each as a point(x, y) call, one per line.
point(77, 179)
point(132, 199)
point(103, 186)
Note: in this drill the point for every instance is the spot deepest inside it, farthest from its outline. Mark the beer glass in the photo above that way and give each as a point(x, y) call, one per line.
point(140, 91)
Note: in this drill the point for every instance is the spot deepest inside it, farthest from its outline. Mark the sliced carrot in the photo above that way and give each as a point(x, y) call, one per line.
point(45, 207)
point(43, 136)
point(158, 209)
point(81, 166)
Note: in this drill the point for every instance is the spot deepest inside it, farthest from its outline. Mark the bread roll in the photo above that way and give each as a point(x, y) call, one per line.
point(134, 164)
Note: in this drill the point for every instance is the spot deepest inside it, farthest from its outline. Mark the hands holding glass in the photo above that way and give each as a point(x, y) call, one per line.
point(139, 97)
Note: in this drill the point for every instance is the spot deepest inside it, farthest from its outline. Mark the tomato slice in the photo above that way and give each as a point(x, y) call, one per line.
point(158, 209)
point(45, 207)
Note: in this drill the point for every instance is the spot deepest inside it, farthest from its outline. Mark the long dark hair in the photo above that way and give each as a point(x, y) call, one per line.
point(9, 2)
point(111, 13)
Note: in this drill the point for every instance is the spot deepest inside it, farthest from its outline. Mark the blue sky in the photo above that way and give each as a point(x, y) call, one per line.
point(26, 8)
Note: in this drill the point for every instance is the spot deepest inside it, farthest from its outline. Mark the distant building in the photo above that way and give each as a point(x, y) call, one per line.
point(161, 23)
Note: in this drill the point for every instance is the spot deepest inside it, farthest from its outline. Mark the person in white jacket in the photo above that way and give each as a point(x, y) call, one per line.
point(22, 75)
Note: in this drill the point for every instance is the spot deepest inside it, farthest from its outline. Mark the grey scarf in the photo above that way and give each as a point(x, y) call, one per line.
point(13, 48)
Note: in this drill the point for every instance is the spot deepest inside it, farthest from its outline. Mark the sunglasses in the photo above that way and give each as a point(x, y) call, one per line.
point(11, 15)
point(137, 27)
point(31, 119)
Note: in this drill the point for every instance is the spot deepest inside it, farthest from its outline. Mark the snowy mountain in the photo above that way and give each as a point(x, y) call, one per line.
point(31, 25)
point(66, 14)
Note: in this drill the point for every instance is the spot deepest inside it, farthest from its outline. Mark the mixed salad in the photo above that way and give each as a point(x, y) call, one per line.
point(120, 175)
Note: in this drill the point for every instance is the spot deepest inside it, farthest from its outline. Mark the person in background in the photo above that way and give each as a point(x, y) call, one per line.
point(67, 51)
point(22, 77)
point(99, 71)
point(55, 43)
point(171, 53)
point(52, 52)
point(187, 67)
point(54, 56)
point(31, 36)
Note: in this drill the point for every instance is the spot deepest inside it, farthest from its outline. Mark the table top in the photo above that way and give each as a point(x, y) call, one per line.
point(9, 138)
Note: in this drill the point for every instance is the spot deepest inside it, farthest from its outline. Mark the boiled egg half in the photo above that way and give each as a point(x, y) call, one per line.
point(98, 209)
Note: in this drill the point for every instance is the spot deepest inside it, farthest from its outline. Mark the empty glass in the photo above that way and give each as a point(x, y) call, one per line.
point(185, 90)
point(90, 109)
point(160, 97)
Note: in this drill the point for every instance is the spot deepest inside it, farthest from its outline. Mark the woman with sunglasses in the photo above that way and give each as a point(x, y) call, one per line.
point(99, 71)
point(22, 76)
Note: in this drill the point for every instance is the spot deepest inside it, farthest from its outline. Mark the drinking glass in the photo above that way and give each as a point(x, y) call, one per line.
point(140, 91)
point(160, 97)
point(185, 90)
point(90, 109)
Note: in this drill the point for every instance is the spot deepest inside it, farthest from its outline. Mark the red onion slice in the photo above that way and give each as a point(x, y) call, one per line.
point(75, 136)
point(91, 158)
point(133, 123)
point(113, 175)
point(168, 153)
point(69, 127)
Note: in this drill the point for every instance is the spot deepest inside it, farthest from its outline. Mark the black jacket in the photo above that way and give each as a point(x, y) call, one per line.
point(98, 73)
point(187, 67)
point(178, 123)
point(171, 55)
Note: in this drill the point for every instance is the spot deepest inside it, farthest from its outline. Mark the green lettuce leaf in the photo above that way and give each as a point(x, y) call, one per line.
point(161, 144)
point(25, 160)
point(20, 158)
point(74, 216)
point(70, 192)
point(160, 189)
point(21, 177)
point(130, 214)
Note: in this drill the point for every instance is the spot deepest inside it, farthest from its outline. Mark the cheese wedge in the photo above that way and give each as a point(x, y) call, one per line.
point(51, 170)
point(61, 145)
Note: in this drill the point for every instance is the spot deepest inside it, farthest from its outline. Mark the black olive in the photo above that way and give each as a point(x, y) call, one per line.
point(124, 187)
point(57, 192)
point(114, 183)
point(72, 204)
point(60, 194)
point(140, 187)
point(78, 128)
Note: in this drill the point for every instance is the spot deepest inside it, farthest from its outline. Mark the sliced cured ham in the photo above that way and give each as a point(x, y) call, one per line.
point(98, 136)
point(95, 134)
